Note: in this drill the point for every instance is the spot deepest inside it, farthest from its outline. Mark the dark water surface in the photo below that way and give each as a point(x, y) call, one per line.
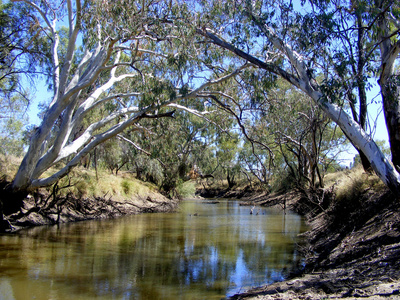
point(216, 253)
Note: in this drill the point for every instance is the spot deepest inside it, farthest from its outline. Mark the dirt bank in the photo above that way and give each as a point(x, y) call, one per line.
point(41, 209)
point(352, 250)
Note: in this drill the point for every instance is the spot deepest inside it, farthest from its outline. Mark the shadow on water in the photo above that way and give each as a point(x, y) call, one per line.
point(204, 251)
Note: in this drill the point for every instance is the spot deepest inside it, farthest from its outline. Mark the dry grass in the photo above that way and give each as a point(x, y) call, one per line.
point(350, 184)
point(9, 166)
point(85, 183)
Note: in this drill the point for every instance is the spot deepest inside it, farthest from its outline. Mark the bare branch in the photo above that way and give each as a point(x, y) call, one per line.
point(133, 144)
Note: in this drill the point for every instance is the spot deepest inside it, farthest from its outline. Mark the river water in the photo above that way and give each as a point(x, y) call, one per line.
point(203, 251)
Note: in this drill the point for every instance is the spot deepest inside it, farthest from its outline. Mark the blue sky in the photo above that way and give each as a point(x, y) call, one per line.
point(377, 127)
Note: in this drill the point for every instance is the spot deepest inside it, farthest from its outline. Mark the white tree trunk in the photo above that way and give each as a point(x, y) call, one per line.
point(70, 106)
point(357, 136)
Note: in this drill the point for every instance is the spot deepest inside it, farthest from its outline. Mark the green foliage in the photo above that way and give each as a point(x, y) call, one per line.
point(23, 51)
point(283, 181)
point(11, 141)
point(288, 137)
point(147, 169)
point(186, 189)
point(13, 107)
point(292, 140)
point(23, 47)
point(126, 187)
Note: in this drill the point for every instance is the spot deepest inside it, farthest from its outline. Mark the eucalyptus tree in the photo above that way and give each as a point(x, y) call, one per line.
point(169, 148)
point(271, 35)
point(11, 126)
point(383, 16)
point(113, 55)
point(13, 106)
point(282, 129)
point(22, 53)
point(353, 64)
point(307, 139)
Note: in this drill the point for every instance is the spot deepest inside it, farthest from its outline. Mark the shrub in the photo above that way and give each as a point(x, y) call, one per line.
point(126, 187)
point(283, 182)
point(186, 189)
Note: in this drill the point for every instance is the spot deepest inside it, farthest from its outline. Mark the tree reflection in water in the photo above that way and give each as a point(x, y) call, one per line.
point(219, 252)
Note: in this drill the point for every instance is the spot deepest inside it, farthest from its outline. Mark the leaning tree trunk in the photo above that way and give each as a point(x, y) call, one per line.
point(301, 79)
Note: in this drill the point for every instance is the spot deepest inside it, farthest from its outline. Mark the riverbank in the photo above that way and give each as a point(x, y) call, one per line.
point(352, 248)
point(72, 209)
point(90, 196)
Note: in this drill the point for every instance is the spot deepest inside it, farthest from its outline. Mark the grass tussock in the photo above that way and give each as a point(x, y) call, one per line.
point(352, 189)
point(187, 189)
point(352, 184)
point(9, 166)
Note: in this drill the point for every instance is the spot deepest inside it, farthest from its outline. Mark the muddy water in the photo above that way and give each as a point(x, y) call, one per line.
point(204, 251)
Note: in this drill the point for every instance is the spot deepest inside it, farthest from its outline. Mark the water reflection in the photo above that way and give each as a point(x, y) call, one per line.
point(217, 252)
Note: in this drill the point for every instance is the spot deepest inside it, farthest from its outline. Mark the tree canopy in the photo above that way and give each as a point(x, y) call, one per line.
point(123, 69)
point(306, 46)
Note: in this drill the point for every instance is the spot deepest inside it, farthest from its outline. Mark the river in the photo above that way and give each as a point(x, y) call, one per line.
point(203, 251)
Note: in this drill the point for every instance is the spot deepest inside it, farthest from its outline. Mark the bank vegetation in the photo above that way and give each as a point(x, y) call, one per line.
point(84, 195)
point(266, 96)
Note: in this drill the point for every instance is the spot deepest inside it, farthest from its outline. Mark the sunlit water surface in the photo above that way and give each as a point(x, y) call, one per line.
point(204, 251)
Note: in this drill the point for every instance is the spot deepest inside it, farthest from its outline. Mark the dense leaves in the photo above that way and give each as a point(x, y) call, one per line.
point(172, 86)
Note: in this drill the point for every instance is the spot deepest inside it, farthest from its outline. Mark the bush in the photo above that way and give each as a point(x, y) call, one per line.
point(283, 182)
point(186, 189)
point(126, 187)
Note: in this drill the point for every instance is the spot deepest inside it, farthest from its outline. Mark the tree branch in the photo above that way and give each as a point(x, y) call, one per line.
point(255, 61)
point(133, 144)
